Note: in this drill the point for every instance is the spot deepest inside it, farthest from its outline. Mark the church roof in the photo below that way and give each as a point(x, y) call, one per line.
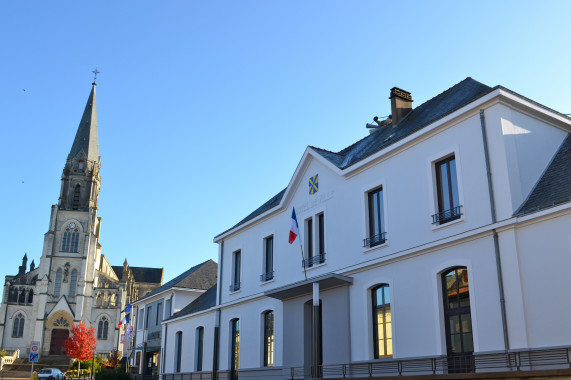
point(142, 274)
point(201, 276)
point(86, 139)
point(554, 186)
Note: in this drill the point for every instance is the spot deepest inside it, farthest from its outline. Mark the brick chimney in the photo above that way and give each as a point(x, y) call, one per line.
point(401, 104)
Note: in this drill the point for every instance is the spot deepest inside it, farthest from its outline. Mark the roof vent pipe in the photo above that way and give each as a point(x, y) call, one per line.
point(401, 104)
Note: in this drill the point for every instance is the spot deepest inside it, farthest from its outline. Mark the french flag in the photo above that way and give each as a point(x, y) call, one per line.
point(293, 229)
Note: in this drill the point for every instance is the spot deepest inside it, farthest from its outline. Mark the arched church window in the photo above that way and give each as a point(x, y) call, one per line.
point(18, 329)
point(22, 298)
point(31, 296)
point(113, 299)
point(76, 193)
point(57, 284)
point(13, 294)
point(70, 240)
point(103, 328)
point(98, 299)
point(61, 322)
point(73, 283)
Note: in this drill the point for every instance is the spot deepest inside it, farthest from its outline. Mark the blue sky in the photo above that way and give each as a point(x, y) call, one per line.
point(206, 107)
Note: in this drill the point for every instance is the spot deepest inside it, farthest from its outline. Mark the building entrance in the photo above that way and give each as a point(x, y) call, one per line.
point(59, 337)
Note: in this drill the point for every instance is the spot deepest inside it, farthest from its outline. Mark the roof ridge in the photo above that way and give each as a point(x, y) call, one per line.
point(325, 150)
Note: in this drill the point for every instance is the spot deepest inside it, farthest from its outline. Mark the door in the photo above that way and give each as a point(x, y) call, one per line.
point(59, 337)
point(458, 320)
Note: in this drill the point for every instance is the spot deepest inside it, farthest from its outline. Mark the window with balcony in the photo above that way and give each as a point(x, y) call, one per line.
point(315, 240)
point(376, 219)
point(449, 207)
point(268, 259)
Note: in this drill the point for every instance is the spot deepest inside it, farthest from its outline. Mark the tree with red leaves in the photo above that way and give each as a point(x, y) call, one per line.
point(81, 344)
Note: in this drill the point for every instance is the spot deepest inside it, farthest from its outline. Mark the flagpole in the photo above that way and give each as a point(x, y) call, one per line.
point(302, 257)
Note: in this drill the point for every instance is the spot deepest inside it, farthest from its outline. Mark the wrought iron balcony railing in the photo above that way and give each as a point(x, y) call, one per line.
point(313, 260)
point(267, 276)
point(447, 215)
point(375, 240)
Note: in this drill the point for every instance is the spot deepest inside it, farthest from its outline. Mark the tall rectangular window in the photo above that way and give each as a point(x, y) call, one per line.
point(376, 218)
point(268, 259)
point(321, 237)
point(447, 191)
point(168, 308)
point(268, 339)
point(235, 349)
point(236, 267)
point(382, 322)
point(141, 319)
point(309, 234)
point(199, 347)
point(159, 313)
point(178, 351)
point(149, 308)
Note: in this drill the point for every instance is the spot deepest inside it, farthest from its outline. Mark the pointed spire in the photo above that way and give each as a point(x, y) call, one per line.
point(86, 140)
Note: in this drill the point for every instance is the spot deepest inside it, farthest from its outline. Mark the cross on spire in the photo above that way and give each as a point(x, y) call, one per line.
point(95, 72)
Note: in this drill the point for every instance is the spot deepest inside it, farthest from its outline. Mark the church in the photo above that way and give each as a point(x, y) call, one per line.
point(74, 281)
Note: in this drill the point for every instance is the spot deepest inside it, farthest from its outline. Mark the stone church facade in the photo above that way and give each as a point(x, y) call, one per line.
point(74, 281)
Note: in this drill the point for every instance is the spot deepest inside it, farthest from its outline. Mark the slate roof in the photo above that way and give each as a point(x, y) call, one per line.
point(554, 186)
point(205, 301)
point(201, 276)
point(86, 136)
point(436, 108)
point(142, 274)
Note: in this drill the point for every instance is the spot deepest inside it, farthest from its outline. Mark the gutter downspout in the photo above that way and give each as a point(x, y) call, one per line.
point(496, 239)
point(216, 351)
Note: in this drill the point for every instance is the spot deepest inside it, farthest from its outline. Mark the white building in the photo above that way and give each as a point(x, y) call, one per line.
point(439, 243)
point(74, 281)
point(160, 304)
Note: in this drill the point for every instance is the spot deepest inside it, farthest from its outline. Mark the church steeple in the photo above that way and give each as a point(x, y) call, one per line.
point(80, 179)
point(86, 141)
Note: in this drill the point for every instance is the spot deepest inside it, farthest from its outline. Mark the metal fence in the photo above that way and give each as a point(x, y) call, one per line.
point(548, 359)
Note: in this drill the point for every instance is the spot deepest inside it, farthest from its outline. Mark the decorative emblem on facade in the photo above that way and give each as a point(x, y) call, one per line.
point(313, 184)
point(61, 322)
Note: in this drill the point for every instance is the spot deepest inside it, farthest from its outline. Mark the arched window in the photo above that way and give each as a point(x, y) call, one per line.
point(70, 239)
point(73, 283)
point(57, 284)
point(268, 338)
point(235, 348)
point(22, 297)
point(178, 351)
point(382, 322)
point(31, 296)
point(76, 194)
point(13, 294)
point(102, 328)
point(457, 319)
point(18, 329)
point(199, 347)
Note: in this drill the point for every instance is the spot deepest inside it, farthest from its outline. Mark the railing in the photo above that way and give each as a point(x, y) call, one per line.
point(267, 276)
point(447, 215)
point(533, 360)
point(188, 376)
point(310, 261)
point(235, 286)
point(375, 240)
point(9, 359)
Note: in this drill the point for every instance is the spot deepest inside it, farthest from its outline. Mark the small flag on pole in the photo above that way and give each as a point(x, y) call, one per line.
point(293, 229)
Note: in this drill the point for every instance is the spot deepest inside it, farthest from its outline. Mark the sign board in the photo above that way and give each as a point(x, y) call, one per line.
point(34, 357)
point(35, 347)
